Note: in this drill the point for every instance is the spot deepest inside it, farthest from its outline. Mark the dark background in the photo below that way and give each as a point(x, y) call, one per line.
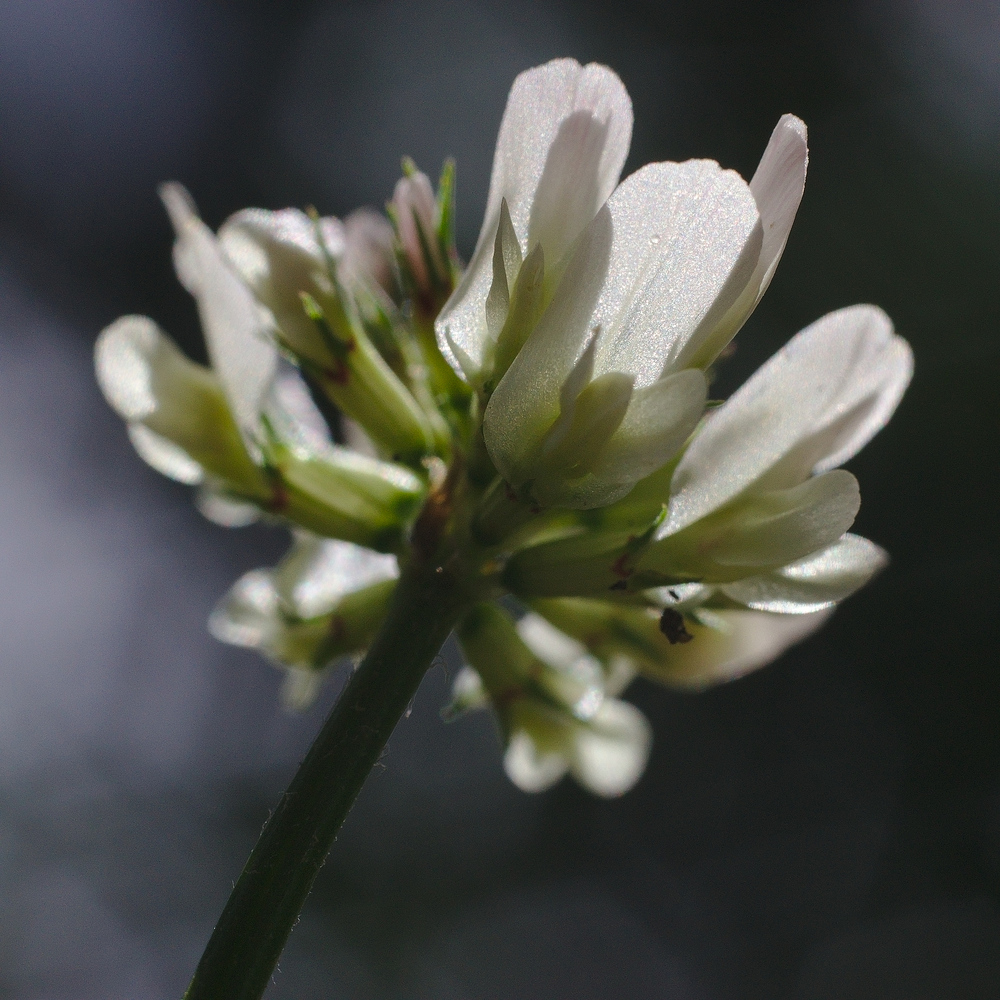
point(828, 827)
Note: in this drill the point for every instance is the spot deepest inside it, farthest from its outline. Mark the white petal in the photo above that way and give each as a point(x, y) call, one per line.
point(368, 248)
point(145, 377)
point(255, 240)
point(578, 679)
point(809, 408)
point(124, 358)
point(295, 417)
point(780, 527)
point(529, 768)
point(467, 693)
point(539, 103)
point(777, 188)
point(741, 641)
point(679, 231)
point(300, 688)
point(162, 454)
point(819, 581)
point(777, 185)
point(247, 615)
point(237, 330)
point(180, 421)
point(527, 401)
point(549, 643)
point(658, 421)
point(319, 572)
point(278, 256)
point(759, 532)
point(572, 187)
point(224, 510)
point(610, 750)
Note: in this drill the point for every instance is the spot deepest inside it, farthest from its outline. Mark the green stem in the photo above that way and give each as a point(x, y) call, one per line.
point(265, 904)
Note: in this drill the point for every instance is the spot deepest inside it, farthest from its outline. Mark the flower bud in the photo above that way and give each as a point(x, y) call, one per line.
point(287, 259)
point(180, 423)
point(177, 413)
point(337, 493)
point(324, 601)
point(555, 716)
point(359, 381)
point(415, 213)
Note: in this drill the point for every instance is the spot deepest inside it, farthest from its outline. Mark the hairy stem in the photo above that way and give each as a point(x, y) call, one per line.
point(267, 899)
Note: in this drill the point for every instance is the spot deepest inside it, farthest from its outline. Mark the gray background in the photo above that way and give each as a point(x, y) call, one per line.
point(829, 827)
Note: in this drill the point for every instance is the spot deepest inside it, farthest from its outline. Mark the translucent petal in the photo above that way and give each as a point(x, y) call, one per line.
point(777, 189)
point(530, 768)
point(539, 103)
point(123, 363)
point(278, 256)
point(247, 615)
point(369, 248)
point(319, 572)
point(253, 236)
point(816, 582)
point(579, 677)
point(739, 642)
point(145, 377)
point(572, 186)
point(610, 751)
point(467, 694)
point(777, 186)
point(185, 423)
point(809, 408)
point(549, 643)
point(293, 414)
point(237, 330)
point(779, 527)
point(764, 530)
point(162, 454)
point(679, 231)
point(225, 510)
point(300, 688)
point(658, 421)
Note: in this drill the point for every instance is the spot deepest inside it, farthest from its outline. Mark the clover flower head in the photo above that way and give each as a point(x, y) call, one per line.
point(533, 430)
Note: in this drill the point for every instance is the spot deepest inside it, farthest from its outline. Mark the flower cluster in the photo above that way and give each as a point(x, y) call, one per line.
point(546, 409)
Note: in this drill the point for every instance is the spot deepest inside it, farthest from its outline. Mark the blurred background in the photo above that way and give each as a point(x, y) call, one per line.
point(828, 827)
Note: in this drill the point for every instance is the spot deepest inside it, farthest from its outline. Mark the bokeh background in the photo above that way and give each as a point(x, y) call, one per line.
point(828, 827)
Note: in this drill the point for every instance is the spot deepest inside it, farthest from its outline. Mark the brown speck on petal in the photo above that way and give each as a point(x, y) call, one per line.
point(672, 626)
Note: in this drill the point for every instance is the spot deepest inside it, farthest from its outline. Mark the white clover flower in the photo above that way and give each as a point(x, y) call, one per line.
point(589, 308)
point(280, 255)
point(323, 602)
point(759, 487)
point(554, 705)
point(314, 279)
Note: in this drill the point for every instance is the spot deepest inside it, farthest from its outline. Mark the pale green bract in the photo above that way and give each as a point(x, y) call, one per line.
point(543, 409)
